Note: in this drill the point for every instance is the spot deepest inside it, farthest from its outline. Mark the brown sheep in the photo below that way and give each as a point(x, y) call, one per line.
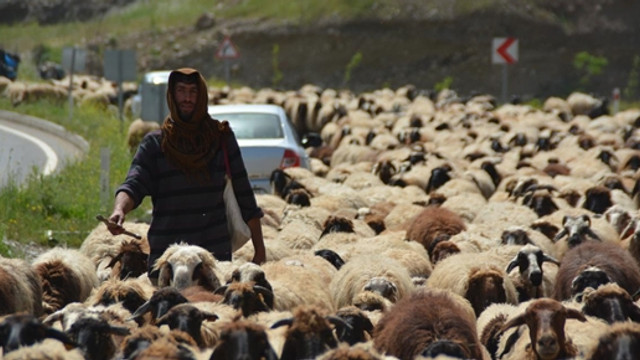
point(621, 341)
point(611, 303)
point(591, 264)
point(429, 323)
point(243, 339)
point(433, 222)
point(20, 289)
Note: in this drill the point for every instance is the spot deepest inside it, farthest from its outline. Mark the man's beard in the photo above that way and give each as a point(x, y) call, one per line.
point(185, 116)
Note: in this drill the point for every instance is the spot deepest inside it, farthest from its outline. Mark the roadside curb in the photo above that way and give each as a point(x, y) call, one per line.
point(46, 126)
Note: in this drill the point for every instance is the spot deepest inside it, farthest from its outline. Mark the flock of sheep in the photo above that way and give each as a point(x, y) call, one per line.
point(428, 227)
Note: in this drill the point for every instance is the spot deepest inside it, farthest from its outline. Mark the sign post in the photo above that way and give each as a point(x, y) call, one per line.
point(73, 60)
point(119, 66)
point(227, 51)
point(504, 51)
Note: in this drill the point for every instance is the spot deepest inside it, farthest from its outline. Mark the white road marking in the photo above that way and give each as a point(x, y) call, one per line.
point(52, 158)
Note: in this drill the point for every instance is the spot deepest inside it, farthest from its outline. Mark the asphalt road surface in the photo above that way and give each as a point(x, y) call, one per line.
point(25, 150)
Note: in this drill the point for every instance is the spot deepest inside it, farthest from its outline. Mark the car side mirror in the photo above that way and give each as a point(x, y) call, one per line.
point(311, 140)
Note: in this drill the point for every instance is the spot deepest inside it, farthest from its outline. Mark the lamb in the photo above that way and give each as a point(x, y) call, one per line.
point(475, 276)
point(183, 265)
point(20, 289)
point(429, 323)
point(432, 222)
point(592, 264)
point(66, 276)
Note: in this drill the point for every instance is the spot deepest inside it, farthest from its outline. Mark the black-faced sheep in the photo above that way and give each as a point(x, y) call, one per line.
point(243, 340)
point(141, 338)
point(19, 330)
point(20, 289)
point(130, 261)
point(66, 276)
point(533, 282)
point(433, 222)
point(159, 303)
point(190, 319)
point(309, 333)
point(360, 327)
point(611, 303)
point(97, 338)
point(429, 323)
point(592, 263)
point(620, 341)
point(183, 265)
point(246, 297)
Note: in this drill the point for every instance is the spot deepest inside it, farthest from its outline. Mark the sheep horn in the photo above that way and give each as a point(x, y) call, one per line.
point(51, 319)
point(560, 235)
point(636, 295)
point(115, 260)
point(283, 322)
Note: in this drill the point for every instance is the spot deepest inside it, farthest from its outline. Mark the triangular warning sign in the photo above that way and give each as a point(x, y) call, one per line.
point(227, 50)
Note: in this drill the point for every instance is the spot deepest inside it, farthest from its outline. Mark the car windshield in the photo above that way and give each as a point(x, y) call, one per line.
point(253, 125)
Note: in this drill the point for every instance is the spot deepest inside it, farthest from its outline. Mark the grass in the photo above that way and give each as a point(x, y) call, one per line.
point(67, 201)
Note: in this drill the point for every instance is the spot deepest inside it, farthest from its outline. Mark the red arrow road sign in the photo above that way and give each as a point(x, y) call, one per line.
point(505, 50)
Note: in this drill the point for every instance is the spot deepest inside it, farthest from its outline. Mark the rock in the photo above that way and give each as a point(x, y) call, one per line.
point(205, 21)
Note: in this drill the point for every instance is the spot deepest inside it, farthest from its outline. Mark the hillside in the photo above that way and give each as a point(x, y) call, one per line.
point(403, 41)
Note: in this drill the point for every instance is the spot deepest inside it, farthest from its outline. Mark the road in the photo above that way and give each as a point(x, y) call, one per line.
point(25, 149)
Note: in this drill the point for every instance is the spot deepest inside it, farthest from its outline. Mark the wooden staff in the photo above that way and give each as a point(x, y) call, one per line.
point(111, 224)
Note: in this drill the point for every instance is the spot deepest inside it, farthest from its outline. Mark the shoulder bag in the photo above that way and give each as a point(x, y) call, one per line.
point(239, 231)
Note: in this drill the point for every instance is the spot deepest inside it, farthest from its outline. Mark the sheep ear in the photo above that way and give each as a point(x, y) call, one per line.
point(221, 290)
point(564, 219)
point(209, 316)
point(283, 322)
point(115, 260)
point(550, 259)
point(593, 235)
point(143, 309)
point(575, 314)
point(561, 234)
point(165, 273)
point(586, 218)
point(59, 335)
point(512, 265)
point(634, 314)
point(119, 330)
point(206, 278)
point(516, 321)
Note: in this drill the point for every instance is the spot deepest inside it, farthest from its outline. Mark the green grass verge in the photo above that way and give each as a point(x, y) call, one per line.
point(67, 201)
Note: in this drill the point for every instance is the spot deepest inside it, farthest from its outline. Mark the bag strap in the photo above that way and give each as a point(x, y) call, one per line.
point(226, 157)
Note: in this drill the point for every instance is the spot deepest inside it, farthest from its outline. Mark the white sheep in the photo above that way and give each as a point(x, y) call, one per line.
point(182, 265)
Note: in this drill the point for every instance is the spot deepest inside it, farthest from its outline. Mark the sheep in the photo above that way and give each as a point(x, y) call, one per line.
point(594, 263)
point(534, 280)
point(190, 319)
point(549, 336)
point(620, 341)
point(102, 247)
point(384, 276)
point(20, 289)
point(309, 333)
point(167, 349)
point(130, 260)
point(17, 330)
point(66, 275)
point(182, 265)
point(429, 323)
point(611, 303)
point(95, 337)
point(141, 338)
point(246, 297)
point(490, 323)
point(475, 276)
point(359, 351)
point(359, 329)
point(243, 339)
point(432, 222)
point(295, 283)
point(584, 104)
point(159, 303)
point(131, 293)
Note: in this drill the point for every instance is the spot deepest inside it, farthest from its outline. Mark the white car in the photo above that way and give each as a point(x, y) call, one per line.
point(267, 140)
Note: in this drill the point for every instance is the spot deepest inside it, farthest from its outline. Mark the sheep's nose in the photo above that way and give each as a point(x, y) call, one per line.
point(546, 342)
point(536, 278)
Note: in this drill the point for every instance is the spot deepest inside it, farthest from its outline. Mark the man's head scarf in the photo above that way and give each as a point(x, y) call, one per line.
point(189, 144)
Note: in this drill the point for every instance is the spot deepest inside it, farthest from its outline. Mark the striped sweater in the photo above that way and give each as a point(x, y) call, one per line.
point(186, 209)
